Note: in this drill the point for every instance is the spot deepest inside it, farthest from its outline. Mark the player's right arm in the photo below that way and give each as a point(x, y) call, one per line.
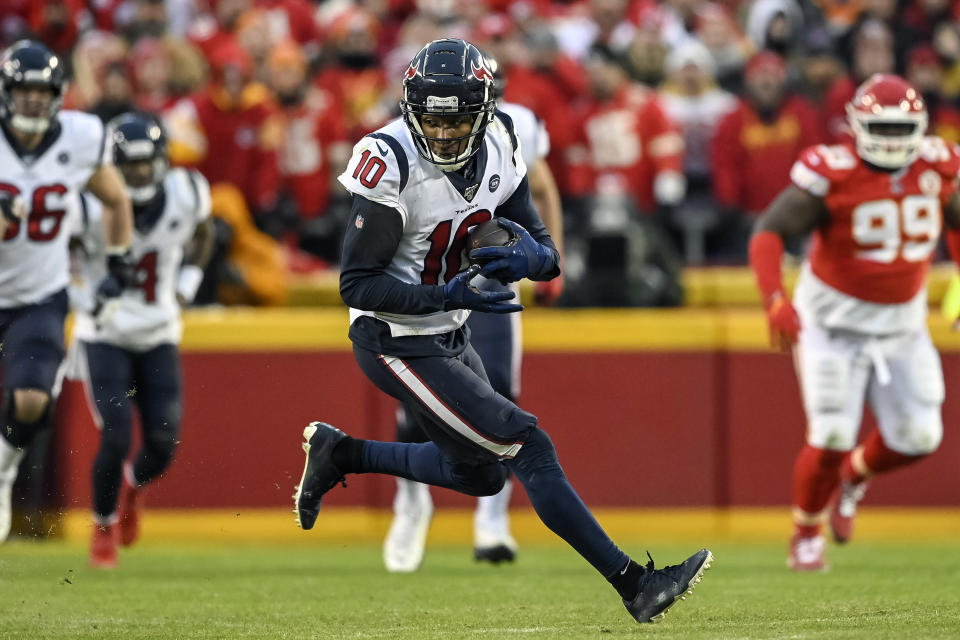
point(797, 211)
point(369, 245)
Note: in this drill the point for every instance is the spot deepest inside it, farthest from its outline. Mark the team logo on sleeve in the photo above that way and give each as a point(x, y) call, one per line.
point(358, 221)
point(930, 182)
point(494, 183)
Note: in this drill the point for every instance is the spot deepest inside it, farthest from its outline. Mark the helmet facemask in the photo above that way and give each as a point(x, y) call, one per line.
point(889, 139)
point(25, 67)
point(453, 152)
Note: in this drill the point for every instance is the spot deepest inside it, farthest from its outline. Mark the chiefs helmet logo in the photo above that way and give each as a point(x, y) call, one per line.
point(481, 72)
point(412, 70)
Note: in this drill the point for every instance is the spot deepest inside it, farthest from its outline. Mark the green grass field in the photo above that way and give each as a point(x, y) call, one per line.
point(333, 591)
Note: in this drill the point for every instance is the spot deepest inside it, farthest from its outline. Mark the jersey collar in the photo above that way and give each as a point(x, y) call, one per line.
point(468, 179)
point(30, 156)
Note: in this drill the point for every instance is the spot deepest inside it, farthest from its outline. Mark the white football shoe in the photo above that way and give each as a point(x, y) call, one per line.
point(492, 541)
point(9, 465)
point(412, 512)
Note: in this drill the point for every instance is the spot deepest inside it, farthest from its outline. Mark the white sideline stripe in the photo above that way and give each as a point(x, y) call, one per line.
point(432, 402)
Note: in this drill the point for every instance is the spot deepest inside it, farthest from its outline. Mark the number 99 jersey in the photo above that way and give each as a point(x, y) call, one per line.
point(867, 266)
point(34, 261)
point(147, 313)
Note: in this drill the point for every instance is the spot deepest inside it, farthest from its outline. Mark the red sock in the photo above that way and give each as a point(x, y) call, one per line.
point(847, 473)
point(815, 477)
point(879, 458)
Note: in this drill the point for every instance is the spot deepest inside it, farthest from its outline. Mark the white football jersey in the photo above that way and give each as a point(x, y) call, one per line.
point(147, 314)
point(531, 133)
point(34, 257)
point(436, 217)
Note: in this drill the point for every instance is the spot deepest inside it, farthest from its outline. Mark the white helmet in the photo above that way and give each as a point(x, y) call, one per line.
point(889, 120)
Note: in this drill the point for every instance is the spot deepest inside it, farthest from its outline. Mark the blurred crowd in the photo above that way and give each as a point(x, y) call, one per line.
point(673, 123)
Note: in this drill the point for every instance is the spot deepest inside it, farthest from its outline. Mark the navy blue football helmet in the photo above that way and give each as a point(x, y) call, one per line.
point(140, 152)
point(24, 64)
point(448, 77)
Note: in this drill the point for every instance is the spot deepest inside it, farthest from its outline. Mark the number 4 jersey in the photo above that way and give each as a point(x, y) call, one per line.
point(34, 261)
point(147, 313)
point(867, 266)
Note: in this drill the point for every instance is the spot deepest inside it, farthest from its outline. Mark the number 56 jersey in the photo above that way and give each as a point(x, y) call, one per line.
point(436, 215)
point(34, 260)
point(867, 266)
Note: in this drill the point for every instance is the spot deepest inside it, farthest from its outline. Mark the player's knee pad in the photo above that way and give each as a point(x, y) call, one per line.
point(918, 434)
point(20, 433)
point(537, 458)
point(160, 446)
point(480, 480)
point(30, 406)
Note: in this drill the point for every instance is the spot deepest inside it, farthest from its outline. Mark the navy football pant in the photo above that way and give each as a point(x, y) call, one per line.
point(120, 379)
point(476, 435)
point(496, 339)
point(32, 341)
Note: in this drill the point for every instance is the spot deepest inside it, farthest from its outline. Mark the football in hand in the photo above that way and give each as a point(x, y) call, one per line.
point(488, 234)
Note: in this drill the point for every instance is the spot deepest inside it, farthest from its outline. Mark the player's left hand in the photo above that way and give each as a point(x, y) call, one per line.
point(525, 258)
point(119, 276)
point(784, 324)
point(547, 293)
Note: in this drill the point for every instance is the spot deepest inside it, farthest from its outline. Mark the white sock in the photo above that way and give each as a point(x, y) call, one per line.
point(10, 458)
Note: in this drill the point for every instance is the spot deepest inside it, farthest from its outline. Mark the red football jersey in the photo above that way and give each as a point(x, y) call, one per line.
point(883, 226)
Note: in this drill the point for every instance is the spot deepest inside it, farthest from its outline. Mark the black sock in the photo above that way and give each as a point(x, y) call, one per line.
point(627, 580)
point(347, 455)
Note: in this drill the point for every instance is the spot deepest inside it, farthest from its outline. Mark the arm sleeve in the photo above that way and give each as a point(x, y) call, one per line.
point(372, 236)
point(519, 208)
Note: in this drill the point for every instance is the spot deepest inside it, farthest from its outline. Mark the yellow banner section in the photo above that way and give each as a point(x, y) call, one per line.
point(544, 330)
point(702, 286)
point(353, 525)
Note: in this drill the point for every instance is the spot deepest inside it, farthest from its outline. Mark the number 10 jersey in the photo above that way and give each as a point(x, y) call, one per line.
point(386, 168)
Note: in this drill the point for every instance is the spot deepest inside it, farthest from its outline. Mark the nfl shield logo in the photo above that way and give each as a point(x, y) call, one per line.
point(358, 221)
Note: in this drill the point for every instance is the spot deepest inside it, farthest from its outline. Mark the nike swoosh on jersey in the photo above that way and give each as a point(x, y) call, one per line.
point(383, 151)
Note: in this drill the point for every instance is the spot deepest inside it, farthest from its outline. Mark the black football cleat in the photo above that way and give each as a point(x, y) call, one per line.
point(319, 473)
point(495, 554)
point(661, 588)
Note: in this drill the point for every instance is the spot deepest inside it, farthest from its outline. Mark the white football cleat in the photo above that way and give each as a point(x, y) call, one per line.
point(9, 465)
point(6, 506)
point(492, 541)
point(412, 512)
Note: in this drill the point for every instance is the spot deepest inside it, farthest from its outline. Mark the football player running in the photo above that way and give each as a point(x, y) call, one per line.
point(419, 184)
point(857, 323)
point(496, 337)
point(131, 341)
point(47, 156)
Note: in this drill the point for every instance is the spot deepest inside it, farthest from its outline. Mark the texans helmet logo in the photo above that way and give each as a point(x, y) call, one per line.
point(412, 70)
point(481, 72)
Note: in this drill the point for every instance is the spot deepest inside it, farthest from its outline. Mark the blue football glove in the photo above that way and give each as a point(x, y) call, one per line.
point(119, 276)
point(524, 259)
point(459, 294)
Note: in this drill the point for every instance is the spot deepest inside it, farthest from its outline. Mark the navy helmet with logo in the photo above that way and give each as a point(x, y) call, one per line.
point(448, 77)
point(137, 139)
point(30, 64)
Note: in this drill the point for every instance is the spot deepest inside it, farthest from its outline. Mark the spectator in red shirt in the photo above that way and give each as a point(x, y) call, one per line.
point(925, 73)
point(231, 130)
point(872, 53)
point(626, 142)
point(756, 144)
point(355, 79)
point(314, 152)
